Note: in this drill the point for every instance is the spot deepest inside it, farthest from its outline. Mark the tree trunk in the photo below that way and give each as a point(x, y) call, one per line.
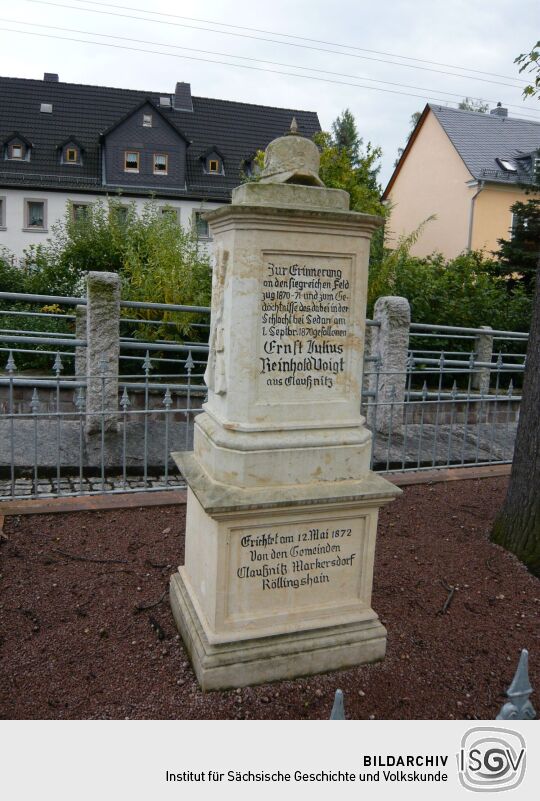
point(517, 527)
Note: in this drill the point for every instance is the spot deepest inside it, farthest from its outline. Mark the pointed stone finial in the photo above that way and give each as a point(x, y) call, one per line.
point(338, 710)
point(519, 706)
point(293, 130)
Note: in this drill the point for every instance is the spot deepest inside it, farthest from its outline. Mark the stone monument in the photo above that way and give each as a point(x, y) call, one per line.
point(282, 506)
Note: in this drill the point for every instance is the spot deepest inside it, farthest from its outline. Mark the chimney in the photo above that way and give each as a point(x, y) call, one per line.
point(50, 77)
point(499, 111)
point(182, 97)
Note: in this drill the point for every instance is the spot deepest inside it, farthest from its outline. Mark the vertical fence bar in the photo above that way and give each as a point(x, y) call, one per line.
point(167, 402)
point(189, 365)
point(79, 405)
point(147, 366)
point(467, 406)
point(34, 406)
point(422, 412)
point(453, 393)
point(495, 405)
point(57, 367)
point(439, 390)
point(125, 404)
point(11, 367)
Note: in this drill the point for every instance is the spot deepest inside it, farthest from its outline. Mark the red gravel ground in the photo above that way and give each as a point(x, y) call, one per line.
point(74, 645)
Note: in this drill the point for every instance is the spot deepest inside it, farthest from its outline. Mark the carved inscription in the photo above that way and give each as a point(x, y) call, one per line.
point(274, 561)
point(305, 314)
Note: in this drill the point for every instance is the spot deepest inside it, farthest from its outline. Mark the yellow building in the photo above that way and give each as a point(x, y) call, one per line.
point(467, 169)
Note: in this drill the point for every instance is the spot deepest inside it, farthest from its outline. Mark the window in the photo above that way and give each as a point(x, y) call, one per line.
point(35, 215)
point(200, 225)
point(72, 155)
point(507, 165)
point(161, 164)
point(147, 120)
point(16, 151)
point(172, 211)
point(2, 212)
point(121, 213)
point(213, 165)
point(131, 161)
point(79, 210)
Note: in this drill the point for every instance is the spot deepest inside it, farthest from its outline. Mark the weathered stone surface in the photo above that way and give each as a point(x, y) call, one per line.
point(390, 345)
point(103, 349)
point(483, 346)
point(282, 507)
point(80, 333)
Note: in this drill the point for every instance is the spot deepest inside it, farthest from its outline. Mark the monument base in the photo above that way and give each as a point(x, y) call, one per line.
point(284, 656)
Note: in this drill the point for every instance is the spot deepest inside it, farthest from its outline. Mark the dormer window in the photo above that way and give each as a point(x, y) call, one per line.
point(507, 165)
point(70, 152)
point(212, 162)
point(147, 120)
point(17, 148)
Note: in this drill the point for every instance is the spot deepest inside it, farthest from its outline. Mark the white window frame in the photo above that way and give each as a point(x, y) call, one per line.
point(132, 169)
point(166, 157)
point(27, 227)
point(16, 158)
point(195, 214)
point(147, 121)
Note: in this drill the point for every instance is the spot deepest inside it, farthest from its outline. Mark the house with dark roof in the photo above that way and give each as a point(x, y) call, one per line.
point(467, 169)
point(65, 144)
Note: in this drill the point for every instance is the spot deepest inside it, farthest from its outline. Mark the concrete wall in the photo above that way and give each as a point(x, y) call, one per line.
point(492, 216)
point(13, 237)
point(432, 180)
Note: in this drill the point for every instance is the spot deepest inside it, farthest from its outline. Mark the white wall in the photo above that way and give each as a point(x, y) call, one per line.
point(16, 239)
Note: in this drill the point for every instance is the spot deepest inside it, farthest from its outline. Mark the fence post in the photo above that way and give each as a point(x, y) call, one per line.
point(102, 351)
point(483, 347)
point(80, 333)
point(390, 342)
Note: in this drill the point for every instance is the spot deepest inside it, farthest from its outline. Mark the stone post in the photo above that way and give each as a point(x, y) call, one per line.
point(80, 333)
point(102, 352)
point(483, 347)
point(390, 344)
point(282, 506)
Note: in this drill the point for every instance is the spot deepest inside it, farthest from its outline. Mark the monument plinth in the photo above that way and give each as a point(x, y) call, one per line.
point(282, 506)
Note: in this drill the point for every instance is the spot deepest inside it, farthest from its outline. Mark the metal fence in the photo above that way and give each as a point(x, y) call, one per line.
point(78, 417)
point(68, 427)
point(444, 403)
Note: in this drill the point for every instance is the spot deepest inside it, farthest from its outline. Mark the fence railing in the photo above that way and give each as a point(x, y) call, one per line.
point(439, 396)
point(94, 406)
point(96, 392)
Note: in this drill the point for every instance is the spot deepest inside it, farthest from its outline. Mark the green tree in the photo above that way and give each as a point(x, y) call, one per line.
point(517, 526)
point(158, 260)
point(474, 104)
point(517, 258)
point(345, 135)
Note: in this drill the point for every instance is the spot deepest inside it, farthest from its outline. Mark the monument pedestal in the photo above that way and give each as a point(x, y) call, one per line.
point(282, 506)
point(277, 584)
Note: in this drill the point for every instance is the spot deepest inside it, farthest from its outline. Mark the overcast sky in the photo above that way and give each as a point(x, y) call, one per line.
point(473, 35)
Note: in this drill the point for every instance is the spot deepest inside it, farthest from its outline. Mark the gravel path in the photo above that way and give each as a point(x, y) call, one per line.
point(86, 630)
